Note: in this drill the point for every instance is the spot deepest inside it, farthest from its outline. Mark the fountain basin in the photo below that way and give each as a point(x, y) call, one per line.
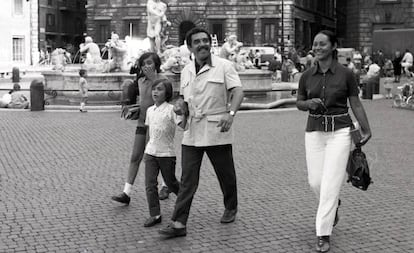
point(62, 88)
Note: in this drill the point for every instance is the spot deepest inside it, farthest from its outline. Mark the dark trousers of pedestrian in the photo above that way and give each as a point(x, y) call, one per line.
point(153, 165)
point(221, 157)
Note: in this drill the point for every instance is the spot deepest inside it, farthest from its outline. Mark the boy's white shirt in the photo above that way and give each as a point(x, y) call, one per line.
point(161, 121)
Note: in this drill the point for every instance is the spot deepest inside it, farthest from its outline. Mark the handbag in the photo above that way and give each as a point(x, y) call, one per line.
point(358, 170)
point(130, 112)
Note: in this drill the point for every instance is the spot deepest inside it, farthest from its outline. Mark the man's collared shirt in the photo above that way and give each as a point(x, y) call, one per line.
point(206, 93)
point(333, 87)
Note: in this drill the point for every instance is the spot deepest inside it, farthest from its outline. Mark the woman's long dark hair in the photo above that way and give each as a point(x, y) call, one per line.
point(333, 39)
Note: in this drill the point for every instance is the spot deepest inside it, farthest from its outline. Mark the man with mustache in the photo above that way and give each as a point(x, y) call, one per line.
point(211, 94)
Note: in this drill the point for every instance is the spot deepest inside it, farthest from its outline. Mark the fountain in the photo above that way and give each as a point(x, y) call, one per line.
point(106, 78)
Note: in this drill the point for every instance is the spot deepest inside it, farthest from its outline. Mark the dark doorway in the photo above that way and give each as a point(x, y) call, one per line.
point(185, 26)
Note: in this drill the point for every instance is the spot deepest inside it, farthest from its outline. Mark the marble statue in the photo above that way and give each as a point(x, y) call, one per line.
point(157, 23)
point(117, 54)
point(230, 47)
point(93, 59)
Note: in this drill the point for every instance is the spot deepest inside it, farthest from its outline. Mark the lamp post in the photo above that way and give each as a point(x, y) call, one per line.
point(283, 32)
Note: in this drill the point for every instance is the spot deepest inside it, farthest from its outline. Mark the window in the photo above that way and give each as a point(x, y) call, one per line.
point(216, 27)
point(388, 1)
point(246, 31)
point(102, 2)
point(103, 31)
point(50, 21)
point(50, 2)
point(131, 28)
point(270, 29)
point(131, 2)
point(18, 49)
point(18, 7)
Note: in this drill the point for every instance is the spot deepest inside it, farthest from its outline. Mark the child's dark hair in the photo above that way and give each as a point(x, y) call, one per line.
point(168, 88)
point(143, 57)
point(82, 72)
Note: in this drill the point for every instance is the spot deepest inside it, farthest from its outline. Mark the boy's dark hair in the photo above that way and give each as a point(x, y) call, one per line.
point(193, 31)
point(82, 72)
point(143, 57)
point(168, 88)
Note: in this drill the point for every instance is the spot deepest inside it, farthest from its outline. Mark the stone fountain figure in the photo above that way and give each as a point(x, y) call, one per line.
point(157, 23)
point(93, 60)
point(117, 54)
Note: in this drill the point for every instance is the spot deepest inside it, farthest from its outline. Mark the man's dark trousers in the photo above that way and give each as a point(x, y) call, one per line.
point(221, 157)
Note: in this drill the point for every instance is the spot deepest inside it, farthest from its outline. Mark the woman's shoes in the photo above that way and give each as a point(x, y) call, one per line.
point(323, 244)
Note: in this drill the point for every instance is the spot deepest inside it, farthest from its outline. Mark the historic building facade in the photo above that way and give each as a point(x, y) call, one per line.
point(254, 22)
point(367, 18)
point(61, 23)
point(19, 33)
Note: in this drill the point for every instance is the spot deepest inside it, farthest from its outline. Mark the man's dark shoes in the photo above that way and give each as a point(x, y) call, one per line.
point(323, 244)
point(228, 216)
point(164, 193)
point(122, 198)
point(170, 231)
point(337, 215)
point(151, 221)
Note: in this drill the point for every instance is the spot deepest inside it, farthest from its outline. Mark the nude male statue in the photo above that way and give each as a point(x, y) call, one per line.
point(93, 54)
point(157, 21)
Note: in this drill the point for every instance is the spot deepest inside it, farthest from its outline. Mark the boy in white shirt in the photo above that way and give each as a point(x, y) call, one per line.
point(160, 151)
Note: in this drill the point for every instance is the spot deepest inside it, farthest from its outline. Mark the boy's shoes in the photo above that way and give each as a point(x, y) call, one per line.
point(228, 216)
point(151, 221)
point(170, 231)
point(122, 198)
point(323, 244)
point(164, 193)
point(83, 110)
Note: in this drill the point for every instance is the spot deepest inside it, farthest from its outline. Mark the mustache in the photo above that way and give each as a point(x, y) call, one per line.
point(206, 47)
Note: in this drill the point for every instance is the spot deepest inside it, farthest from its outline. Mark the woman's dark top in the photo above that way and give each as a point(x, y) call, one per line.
point(333, 87)
point(397, 65)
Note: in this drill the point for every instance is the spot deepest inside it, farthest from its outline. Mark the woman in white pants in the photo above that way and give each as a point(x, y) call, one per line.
point(324, 91)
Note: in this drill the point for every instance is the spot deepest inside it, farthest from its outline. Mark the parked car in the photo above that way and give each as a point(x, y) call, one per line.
point(267, 53)
point(344, 53)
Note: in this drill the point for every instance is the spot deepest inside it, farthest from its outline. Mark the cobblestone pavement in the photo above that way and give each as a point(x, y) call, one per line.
point(59, 169)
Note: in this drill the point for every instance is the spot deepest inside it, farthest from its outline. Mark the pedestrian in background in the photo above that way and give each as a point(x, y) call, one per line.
point(148, 71)
point(396, 62)
point(212, 93)
point(324, 91)
point(83, 89)
point(159, 151)
point(17, 99)
point(407, 62)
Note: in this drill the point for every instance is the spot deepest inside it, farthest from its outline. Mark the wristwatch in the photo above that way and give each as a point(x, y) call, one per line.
point(232, 113)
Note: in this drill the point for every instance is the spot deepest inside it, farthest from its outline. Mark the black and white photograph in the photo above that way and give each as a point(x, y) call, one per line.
point(172, 126)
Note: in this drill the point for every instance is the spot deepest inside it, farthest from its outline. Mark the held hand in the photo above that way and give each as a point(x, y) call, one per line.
point(181, 107)
point(314, 104)
point(225, 122)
